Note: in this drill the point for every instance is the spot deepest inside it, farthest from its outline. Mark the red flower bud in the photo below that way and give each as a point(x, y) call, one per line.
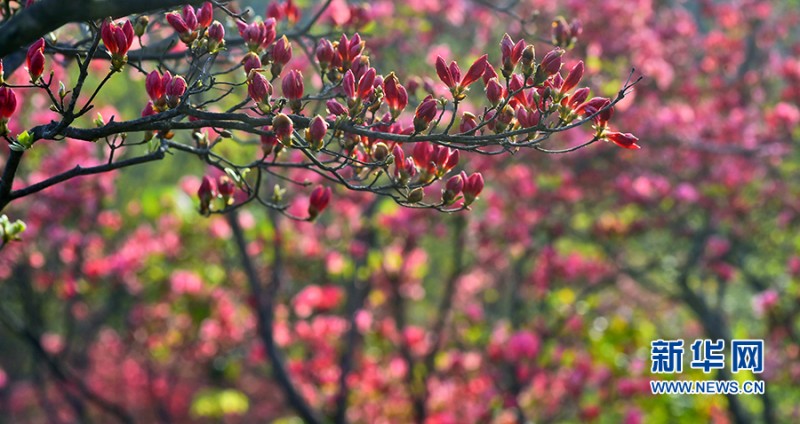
point(625, 140)
point(395, 95)
point(349, 85)
point(291, 11)
point(293, 85)
point(216, 33)
point(511, 54)
point(206, 194)
point(318, 201)
point(8, 102)
point(316, 132)
point(282, 51)
point(149, 109)
point(475, 71)
point(275, 11)
point(444, 73)
point(452, 188)
point(205, 15)
point(473, 187)
point(468, 123)
point(425, 113)
point(175, 90)
point(156, 87)
point(365, 84)
point(268, 142)
point(283, 127)
point(422, 154)
point(258, 88)
point(488, 73)
point(226, 187)
point(117, 38)
point(551, 63)
point(35, 59)
point(324, 53)
point(251, 61)
point(527, 118)
point(495, 92)
point(578, 97)
point(177, 23)
point(335, 108)
point(573, 78)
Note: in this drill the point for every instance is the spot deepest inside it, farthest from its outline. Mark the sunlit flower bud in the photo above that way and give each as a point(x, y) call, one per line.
point(495, 92)
point(425, 113)
point(8, 104)
point(216, 36)
point(318, 201)
point(251, 61)
point(281, 55)
point(175, 90)
point(395, 95)
point(472, 188)
point(573, 78)
point(141, 24)
point(335, 107)
point(324, 53)
point(625, 140)
point(315, 133)
point(269, 142)
point(551, 63)
point(205, 15)
point(452, 189)
point(283, 127)
point(510, 54)
point(468, 123)
point(35, 59)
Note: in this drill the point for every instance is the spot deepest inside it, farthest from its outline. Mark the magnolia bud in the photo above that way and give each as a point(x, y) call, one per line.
point(315, 133)
point(380, 152)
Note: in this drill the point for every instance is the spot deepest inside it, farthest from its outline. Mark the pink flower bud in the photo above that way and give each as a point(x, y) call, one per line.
point(578, 97)
point(175, 90)
point(189, 17)
point(35, 59)
point(488, 73)
point(156, 87)
point(205, 15)
point(468, 123)
point(444, 73)
point(216, 32)
point(149, 109)
point(275, 11)
point(510, 54)
point(226, 188)
point(177, 23)
point(206, 194)
point(268, 142)
point(395, 95)
point(320, 197)
point(452, 189)
point(117, 38)
point(422, 154)
point(472, 188)
point(527, 118)
point(258, 88)
point(251, 61)
point(495, 92)
point(475, 71)
point(282, 51)
point(335, 108)
point(425, 113)
point(324, 53)
point(349, 85)
point(316, 132)
point(293, 85)
point(551, 63)
point(625, 140)
point(573, 78)
point(283, 127)
point(8, 102)
point(365, 84)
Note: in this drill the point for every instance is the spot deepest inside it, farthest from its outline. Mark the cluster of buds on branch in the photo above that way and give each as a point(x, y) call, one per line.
point(362, 129)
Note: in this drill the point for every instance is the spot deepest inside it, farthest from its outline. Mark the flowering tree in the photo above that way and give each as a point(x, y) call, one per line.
point(538, 305)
